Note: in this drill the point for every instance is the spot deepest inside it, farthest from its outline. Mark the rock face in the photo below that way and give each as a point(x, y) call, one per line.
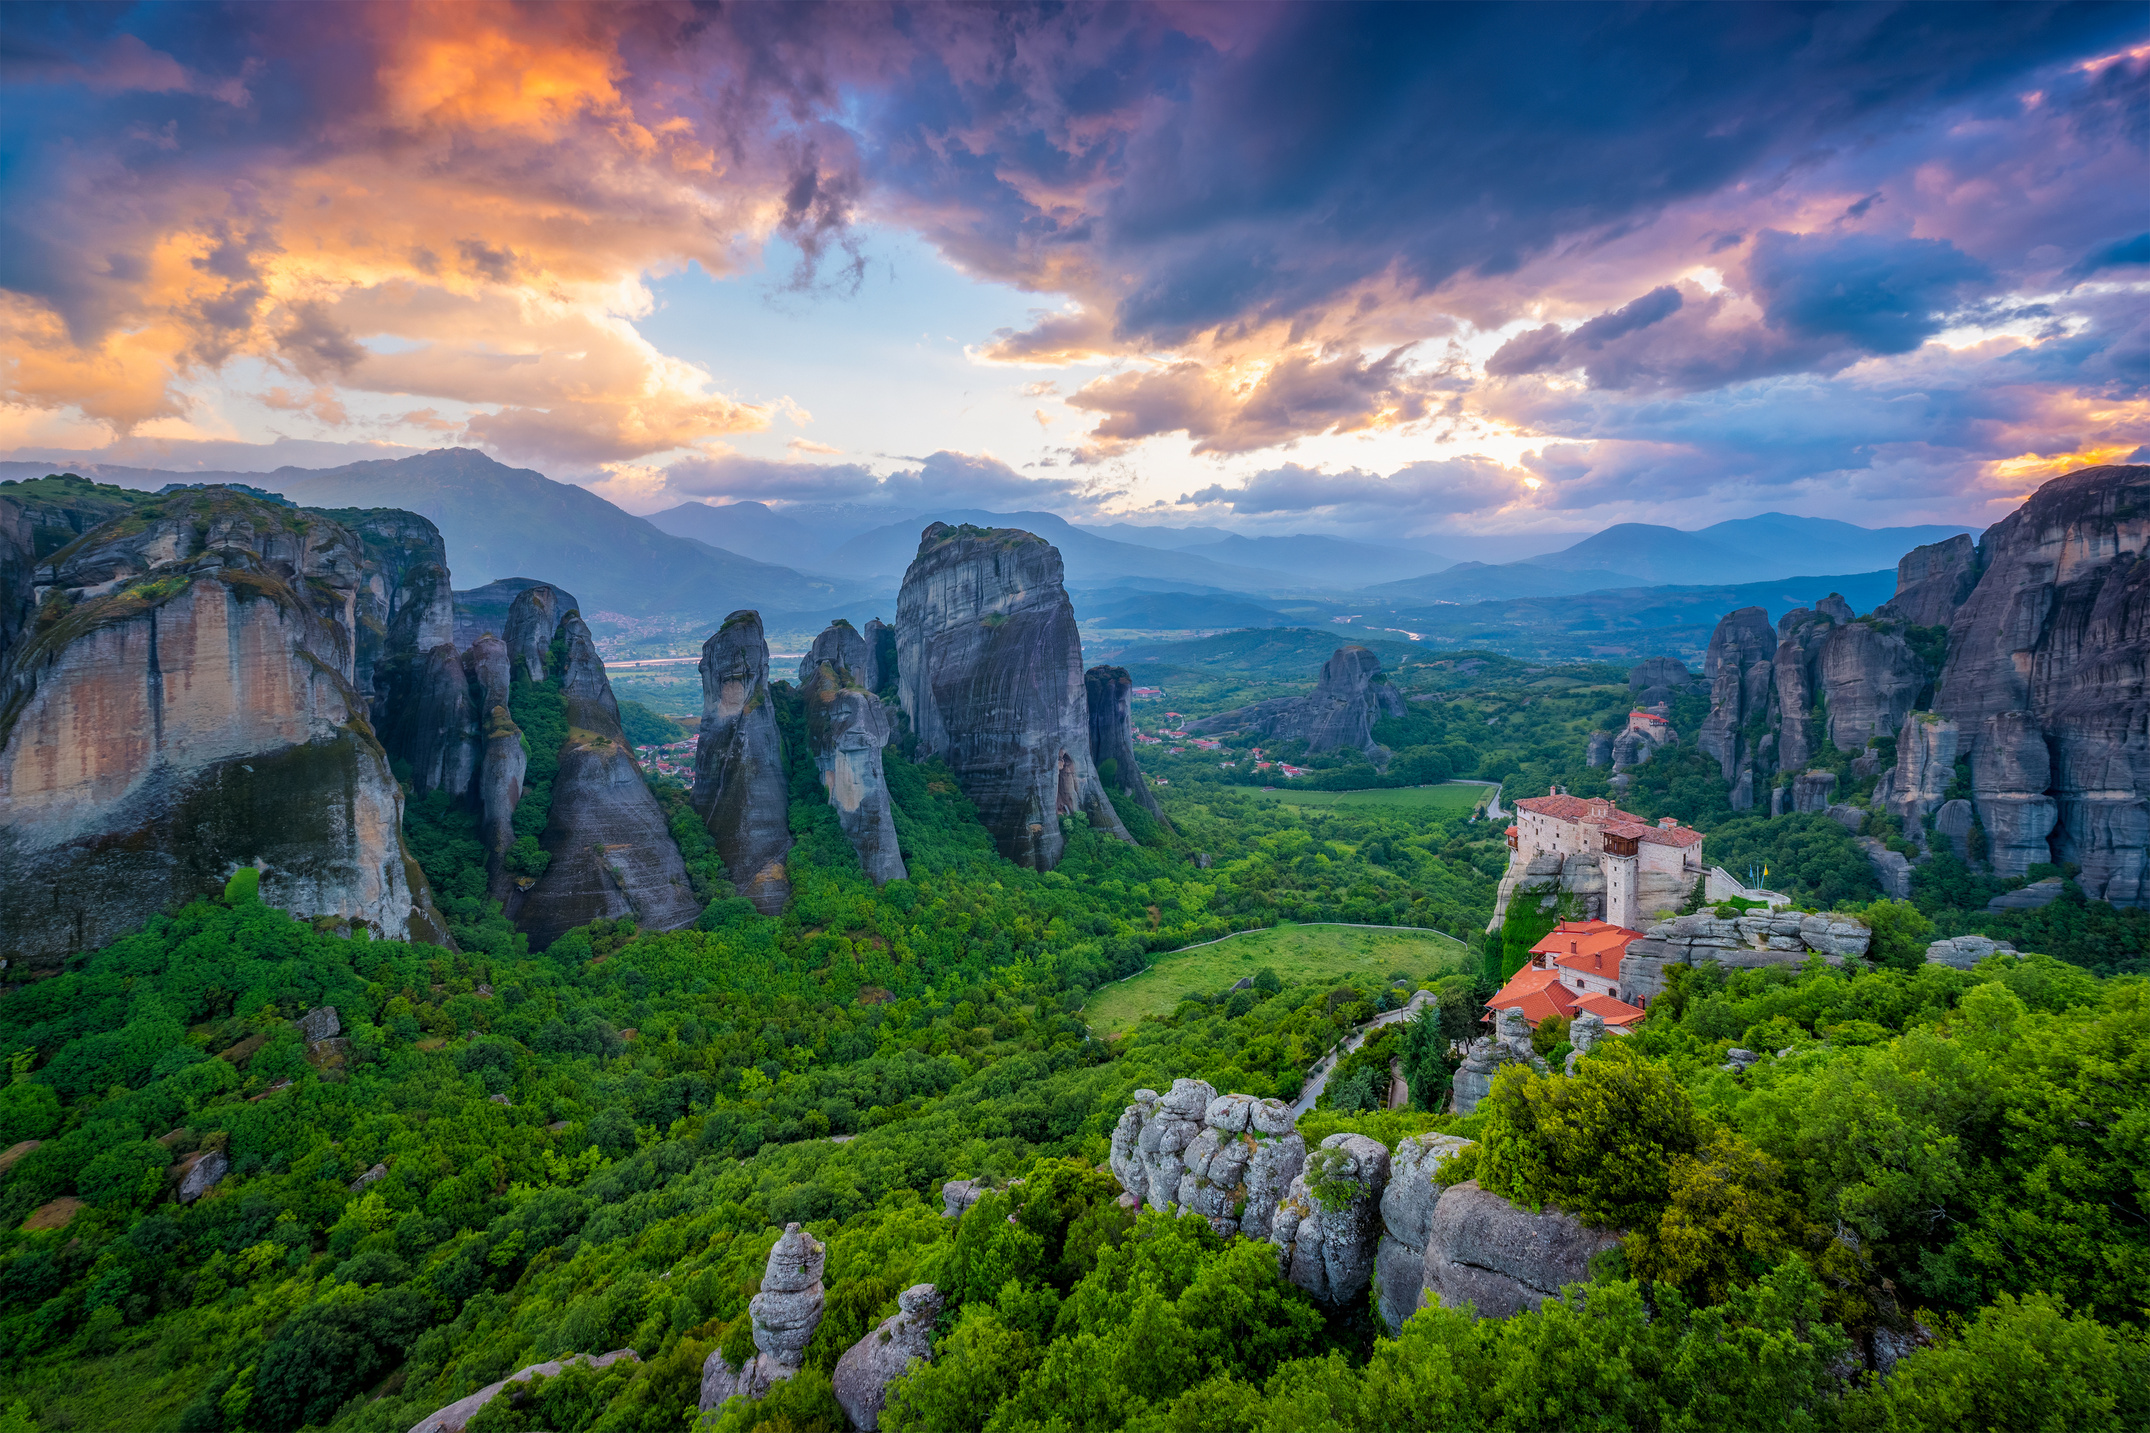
point(533, 617)
point(1483, 1251)
point(1657, 679)
point(196, 709)
point(880, 657)
point(1509, 1044)
point(990, 672)
point(848, 728)
point(1407, 1206)
point(18, 575)
point(457, 1415)
point(1917, 785)
point(2045, 680)
point(1112, 735)
point(1763, 938)
point(739, 786)
point(1965, 951)
point(1348, 698)
point(786, 1312)
point(864, 1372)
point(204, 1173)
point(1208, 1154)
point(1327, 1226)
point(612, 852)
point(443, 745)
point(1933, 581)
point(1738, 668)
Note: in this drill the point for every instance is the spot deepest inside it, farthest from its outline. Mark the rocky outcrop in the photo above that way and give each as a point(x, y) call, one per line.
point(785, 1313)
point(1965, 951)
point(1499, 1259)
point(1658, 679)
point(1917, 785)
point(1584, 1033)
point(1327, 1226)
point(990, 672)
point(1229, 1158)
point(486, 662)
point(444, 746)
point(880, 658)
point(1738, 668)
point(1763, 938)
point(479, 610)
point(1932, 582)
point(1509, 1044)
point(1891, 868)
point(533, 617)
point(18, 576)
point(848, 729)
point(1348, 698)
point(1597, 748)
point(612, 851)
point(191, 707)
point(867, 1368)
point(1812, 792)
point(201, 1173)
point(1112, 735)
point(1407, 1205)
point(739, 786)
point(457, 1415)
point(500, 783)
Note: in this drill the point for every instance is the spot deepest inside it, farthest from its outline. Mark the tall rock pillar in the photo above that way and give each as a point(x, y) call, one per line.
point(739, 786)
point(1112, 735)
point(848, 727)
point(990, 671)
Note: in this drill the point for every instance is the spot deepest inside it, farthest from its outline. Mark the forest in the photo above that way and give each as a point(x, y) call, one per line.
point(506, 1156)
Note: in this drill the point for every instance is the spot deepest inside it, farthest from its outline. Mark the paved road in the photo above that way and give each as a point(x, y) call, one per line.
point(1317, 1079)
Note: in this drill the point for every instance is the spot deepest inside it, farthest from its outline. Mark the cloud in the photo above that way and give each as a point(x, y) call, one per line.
point(1875, 294)
point(1456, 487)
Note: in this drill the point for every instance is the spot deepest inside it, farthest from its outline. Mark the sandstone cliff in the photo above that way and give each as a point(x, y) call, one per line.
point(1341, 711)
point(612, 853)
point(990, 671)
point(848, 729)
point(1112, 735)
point(739, 786)
point(187, 704)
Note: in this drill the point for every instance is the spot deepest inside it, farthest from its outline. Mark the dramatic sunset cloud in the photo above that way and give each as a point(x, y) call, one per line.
point(1439, 265)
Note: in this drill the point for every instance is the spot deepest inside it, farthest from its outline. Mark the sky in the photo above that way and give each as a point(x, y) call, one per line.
point(1395, 272)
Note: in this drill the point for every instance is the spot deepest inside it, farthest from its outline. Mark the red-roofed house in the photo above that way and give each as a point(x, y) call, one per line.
point(1575, 968)
point(1647, 866)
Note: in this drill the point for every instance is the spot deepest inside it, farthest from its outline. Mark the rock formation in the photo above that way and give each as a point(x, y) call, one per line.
point(18, 575)
point(1739, 668)
point(1932, 582)
point(1112, 735)
point(457, 1415)
point(533, 617)
point(1483, 1251)
point(1965, 951)
point(1407, 1205)
point(1509, 1044)
point(1327, 1226)
point(867, 1368)
point(443, 743)
point(1584, 1033)
point(1656, 680)
point(200, 1173)
point(1348, 698)
point(739, 787)
point(848, 728)
point(880, 657)
point(1763, 938)
point(479, 610)
point(785, 1313)
point(612, 852)
point(190, 707)
point(990, 671)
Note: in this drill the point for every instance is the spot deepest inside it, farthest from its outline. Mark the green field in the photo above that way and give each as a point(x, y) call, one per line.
point(1295, 952)
point(1449, 797)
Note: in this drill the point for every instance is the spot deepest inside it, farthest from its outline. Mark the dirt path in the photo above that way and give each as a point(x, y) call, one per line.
point(1317, 1079)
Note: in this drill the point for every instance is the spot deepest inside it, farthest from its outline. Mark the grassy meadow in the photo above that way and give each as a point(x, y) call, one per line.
point(1295, 952)
point(1452, 798)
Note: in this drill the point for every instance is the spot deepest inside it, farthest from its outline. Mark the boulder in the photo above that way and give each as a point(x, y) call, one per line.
point(1112, 735)
point(1813, 791)
point(1851, 818)
point(487, 662)
point(1926, 749)
point(374, 1175)
point(2011, 774)
point(320, 1023)
point(958, 1195)
point(612, 850)
point(458, 1414)
point(1349, 696)
point(1584, 1033)
point(1964, 952)
point(1499, 1259)
point(785, 1314)
point(1407, 1204)
point(739, 787)
point(1327, 1227)
point(202, 1173)
point(2033, 897)
point(991, 678)
point(867, 1367)
point(1509, 1044)
point(1891, 868)
point(1230, 1160)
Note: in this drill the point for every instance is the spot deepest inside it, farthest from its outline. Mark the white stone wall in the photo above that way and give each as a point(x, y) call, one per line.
point(1620, 890)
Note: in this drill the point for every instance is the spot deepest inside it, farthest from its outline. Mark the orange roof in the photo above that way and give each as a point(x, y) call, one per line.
point(1592, 946)
point(1620, 823)
point(1537, 993)
point(1646, 716)
point(1616, 1014)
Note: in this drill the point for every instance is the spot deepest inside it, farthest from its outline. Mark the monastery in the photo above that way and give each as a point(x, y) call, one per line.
point(1576, 968)
point(1627, 868)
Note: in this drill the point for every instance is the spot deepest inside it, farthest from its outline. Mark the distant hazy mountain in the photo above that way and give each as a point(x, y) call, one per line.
point(511, 522)
point(1332, 562)
point(1487, 582)
point(1141, 535)
point(1743, 550)
point(1090, 560)
point(1171, 611)
point(744, 528)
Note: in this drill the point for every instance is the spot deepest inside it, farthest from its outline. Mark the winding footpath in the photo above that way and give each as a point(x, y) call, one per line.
point(1317, 1079)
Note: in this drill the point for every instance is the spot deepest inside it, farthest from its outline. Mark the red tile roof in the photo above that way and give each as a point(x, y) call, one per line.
point(1592, 947)
point(1615, 1013)
point(1537, 993)
point(1620, 823)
